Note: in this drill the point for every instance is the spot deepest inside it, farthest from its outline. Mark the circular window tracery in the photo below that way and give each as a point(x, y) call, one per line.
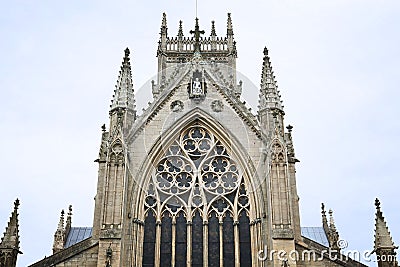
point(197, 172)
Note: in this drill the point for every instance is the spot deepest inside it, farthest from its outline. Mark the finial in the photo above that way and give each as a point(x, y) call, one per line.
point(16, 204)
point(103, 128)
point(265, 51)
point(180, 31)
point(70, 210)
point(377, 204)
point(213, 33)
point(290, 128)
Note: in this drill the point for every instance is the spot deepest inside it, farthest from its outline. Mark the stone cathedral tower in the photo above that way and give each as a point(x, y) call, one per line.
point(197, 179)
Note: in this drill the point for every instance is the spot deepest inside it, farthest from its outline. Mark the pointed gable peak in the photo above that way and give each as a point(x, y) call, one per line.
point(383, 239)
point(11, 235)
point(124, 94)
point(269, 94)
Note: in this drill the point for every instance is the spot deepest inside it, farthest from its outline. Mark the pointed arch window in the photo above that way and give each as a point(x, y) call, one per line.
point(198, 193)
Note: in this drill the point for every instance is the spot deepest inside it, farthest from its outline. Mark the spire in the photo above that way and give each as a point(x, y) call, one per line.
point(180, 30)
point(229, 31)
point(11, 235)
point(383, 239)
point(59, 235)
point(229, 35)
point(213, 33)
point(162, 44)
point(164, 25)
point(269, 94)
point(124, 95)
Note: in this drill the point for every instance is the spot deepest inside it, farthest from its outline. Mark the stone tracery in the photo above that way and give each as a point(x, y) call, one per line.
point(197, 179)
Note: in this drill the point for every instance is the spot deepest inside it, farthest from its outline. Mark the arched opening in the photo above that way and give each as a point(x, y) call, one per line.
point(197, 189)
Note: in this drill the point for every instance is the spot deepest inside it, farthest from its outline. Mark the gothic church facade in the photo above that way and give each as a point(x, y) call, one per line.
point(197, 179)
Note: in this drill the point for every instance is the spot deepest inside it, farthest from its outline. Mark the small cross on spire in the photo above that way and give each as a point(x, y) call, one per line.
point(197, 33)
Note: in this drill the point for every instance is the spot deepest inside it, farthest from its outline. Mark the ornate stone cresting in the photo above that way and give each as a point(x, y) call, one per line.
point(384, 246)
point(9, 245)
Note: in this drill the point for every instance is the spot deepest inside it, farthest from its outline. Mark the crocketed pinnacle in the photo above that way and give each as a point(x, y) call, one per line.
point(383, 240)
point(11, 235)
point(269, 94)
point(229, 31)
point(213, 32)
point(164, 24)
point(180, 30)
point(123, 94)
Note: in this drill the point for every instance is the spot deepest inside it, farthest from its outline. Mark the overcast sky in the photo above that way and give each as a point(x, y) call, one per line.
point(336, 63)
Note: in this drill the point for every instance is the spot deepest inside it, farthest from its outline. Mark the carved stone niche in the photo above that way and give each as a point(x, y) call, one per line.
point(217, 106)
point(176, 106)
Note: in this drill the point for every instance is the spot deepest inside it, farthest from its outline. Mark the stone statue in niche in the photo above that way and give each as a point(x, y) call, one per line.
point(197, 86)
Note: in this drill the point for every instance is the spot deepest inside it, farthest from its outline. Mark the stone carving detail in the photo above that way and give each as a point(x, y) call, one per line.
point(110, 233)
point(108, 256)
point(176, 106)
point(217, 105)
point(277, 153)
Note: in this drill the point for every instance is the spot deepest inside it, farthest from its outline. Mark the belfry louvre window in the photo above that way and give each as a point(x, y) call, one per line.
point(197, 207)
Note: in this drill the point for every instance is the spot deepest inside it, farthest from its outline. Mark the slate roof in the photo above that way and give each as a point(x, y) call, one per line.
point(316, 234)
point(77, 234)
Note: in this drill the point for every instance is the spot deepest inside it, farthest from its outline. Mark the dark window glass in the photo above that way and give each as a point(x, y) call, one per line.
point(213, 240)
point(181, 238)
point(197, 240)
point(244, 239)
point(149, 240)
point(166, 236)
point(228, 238)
